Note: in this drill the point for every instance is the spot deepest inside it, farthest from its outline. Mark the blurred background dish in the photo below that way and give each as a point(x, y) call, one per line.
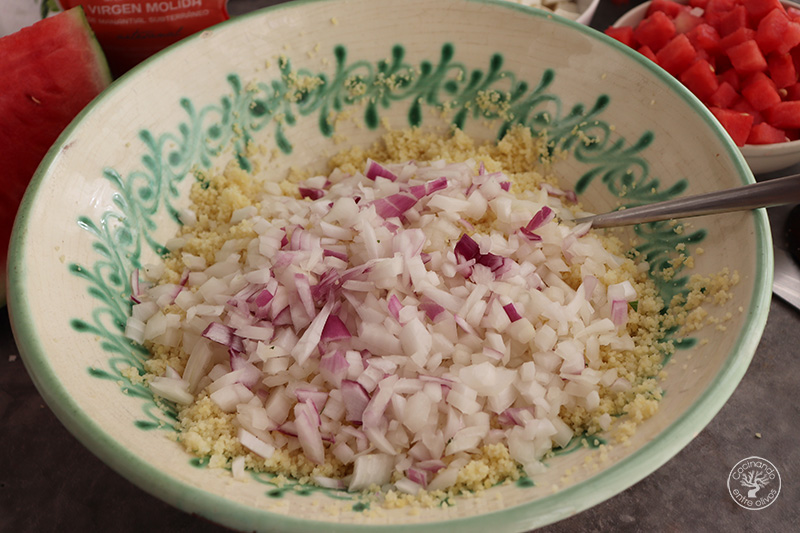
point(761, 152)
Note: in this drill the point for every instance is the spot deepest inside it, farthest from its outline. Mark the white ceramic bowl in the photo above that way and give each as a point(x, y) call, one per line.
point(761, 158)
point(585, 8)
point(104, 200)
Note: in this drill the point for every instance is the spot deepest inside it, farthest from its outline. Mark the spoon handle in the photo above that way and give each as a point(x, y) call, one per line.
point(778, 191)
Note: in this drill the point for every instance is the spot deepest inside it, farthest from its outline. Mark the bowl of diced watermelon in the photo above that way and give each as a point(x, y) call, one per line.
point(741, 58)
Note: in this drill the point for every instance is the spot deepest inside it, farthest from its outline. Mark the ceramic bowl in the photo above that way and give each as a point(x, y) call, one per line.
point(761, 158)
point(105, 200)
point(584, 9)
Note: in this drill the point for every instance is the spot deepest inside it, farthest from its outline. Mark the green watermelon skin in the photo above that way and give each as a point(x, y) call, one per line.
point(48, 73)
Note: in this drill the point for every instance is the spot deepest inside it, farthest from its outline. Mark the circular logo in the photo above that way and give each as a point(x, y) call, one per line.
point(754, 483)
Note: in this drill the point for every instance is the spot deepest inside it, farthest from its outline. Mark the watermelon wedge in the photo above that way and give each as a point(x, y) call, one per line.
point(50, 71)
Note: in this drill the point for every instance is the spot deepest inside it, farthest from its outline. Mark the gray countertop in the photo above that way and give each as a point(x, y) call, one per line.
point(50, 482)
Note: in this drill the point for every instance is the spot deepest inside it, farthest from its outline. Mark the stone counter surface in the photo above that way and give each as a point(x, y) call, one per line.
point(50, 483)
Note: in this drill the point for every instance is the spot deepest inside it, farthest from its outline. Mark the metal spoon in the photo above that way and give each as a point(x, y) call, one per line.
point(778, 191)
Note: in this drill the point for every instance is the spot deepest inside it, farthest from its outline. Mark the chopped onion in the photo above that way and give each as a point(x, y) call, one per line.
point(311, 194)
point(372, 469)
point(363, 323)
point(355, 399)
point(334, 330)
point(511, 311)
point(222, 334)
point(619, 312)
point(376, 169)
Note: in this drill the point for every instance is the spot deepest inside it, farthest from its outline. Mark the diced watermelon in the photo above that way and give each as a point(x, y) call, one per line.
point(795, 53)
point(646, 52)
point(760, 92)
point(623, 34)
point(777, 33)
point(781, 69)
point(685, 21)
point(716, 10)
point(784, 115)
point(747, 57)
point(655, 31)
point(705, 37)
point(765, 134)
point(732, 21)
point(793, 92)
point(724, 96)
point(738, 37)
point(676, 55)
point(735, 123)
point(743, 106)
point(756, 9)
point(700, 79)
point(730, 76)
point(670, 8)
point(48, 72)
point(722, 63)
point(708, 58)
point(740, 57)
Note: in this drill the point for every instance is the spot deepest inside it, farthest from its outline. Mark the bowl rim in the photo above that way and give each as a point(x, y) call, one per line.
point(548, 509)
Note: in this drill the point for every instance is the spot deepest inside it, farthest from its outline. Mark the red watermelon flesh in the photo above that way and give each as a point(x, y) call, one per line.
point(50, 71)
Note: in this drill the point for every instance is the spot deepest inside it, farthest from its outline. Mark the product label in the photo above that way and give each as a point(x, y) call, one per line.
point(132, 30)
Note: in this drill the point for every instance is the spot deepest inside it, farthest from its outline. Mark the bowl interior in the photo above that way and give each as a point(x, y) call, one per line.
point(106, 198)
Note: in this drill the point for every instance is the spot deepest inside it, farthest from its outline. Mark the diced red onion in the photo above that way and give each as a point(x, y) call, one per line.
point(311, 336)
point(559, 193)
point(394, 205)
point(355, 399)
point(332, 253)
point(374, 170)
point(394, 306)
point(306, 421)
point(619, 312)
point(222, 334)
point(528, 234)
point(589, 285)
point(542, 217)
point(418, 476)
point(293, 359)
point(135, 290)
point(283, 318)
point(334, 330)
point(311, 194)
point(264, 297)
point(431, 308)
point(581, 229)
point(251, 375)
point(511, 311)
point(466, 248)
point(317, 397)
point(329, 482)
point(333, 367)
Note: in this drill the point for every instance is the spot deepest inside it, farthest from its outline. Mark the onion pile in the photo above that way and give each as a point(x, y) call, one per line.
point(397, 320)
